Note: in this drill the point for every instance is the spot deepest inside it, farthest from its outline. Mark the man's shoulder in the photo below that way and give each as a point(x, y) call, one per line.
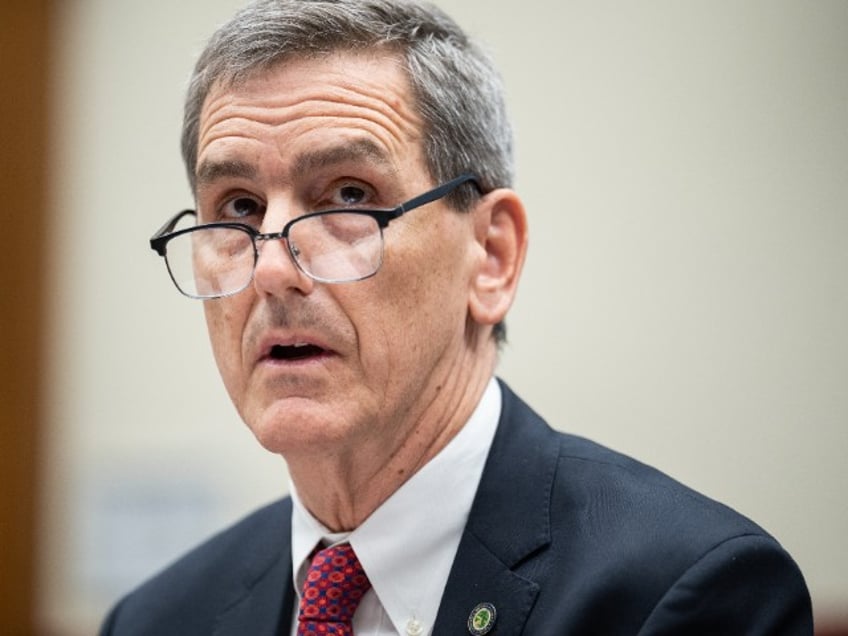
point(643, 498)
point(187, 594)
point(250, 541)
point(626, 531)
point(602, 482)
point(624, 541)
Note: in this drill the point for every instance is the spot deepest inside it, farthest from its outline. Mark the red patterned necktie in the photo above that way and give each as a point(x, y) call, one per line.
point(333, 588)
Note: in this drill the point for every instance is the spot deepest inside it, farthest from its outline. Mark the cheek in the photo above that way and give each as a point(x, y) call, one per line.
point(442, 266)
point(426, 289)
point(225, 323)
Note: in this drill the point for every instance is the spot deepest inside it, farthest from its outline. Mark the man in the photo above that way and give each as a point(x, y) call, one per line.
point(356, 247)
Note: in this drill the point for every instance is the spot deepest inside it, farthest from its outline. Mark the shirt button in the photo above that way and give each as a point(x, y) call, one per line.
point(414, 627)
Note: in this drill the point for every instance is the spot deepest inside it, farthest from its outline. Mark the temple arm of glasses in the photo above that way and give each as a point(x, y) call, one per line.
point(441, 191)
point(156, 242)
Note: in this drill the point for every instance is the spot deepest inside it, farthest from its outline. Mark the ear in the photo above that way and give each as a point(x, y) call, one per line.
point(500, 228)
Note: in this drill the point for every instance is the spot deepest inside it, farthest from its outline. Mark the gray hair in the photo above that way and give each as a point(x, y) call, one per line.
point(458, 92)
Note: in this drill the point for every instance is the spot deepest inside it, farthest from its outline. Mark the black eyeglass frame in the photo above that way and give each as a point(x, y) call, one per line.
point(159, 241)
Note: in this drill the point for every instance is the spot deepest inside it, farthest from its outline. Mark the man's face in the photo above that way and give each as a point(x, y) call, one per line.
point(316, 366)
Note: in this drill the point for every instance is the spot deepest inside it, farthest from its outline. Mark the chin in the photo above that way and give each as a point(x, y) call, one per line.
point(298, 429)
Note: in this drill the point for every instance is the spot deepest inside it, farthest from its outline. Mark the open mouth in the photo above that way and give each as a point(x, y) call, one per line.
point(288, 353)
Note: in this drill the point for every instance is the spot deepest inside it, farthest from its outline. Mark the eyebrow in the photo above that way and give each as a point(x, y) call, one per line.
point(362, 149)
point(359, 150)
point(209, 171)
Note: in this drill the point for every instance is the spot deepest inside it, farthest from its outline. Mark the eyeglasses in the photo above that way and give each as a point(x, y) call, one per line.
point(331, 246)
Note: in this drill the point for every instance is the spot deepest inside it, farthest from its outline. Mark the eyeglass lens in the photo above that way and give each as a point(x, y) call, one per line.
point(211, 261)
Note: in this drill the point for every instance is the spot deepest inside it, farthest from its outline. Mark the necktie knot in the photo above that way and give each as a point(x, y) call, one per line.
point(335, 583)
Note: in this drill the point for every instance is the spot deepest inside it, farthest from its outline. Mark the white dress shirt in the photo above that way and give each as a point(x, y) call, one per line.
point(408, 544)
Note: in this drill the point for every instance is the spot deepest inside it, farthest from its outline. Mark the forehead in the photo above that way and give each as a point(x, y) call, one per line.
point(365, 97)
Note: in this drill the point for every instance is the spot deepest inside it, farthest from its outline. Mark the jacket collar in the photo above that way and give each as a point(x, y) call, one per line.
point(509, 522)
point(263, 601)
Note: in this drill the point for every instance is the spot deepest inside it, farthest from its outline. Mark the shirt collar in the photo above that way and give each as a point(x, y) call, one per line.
point(407, 545)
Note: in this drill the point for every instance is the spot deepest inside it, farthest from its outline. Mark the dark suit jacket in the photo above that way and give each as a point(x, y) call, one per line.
point(564, 537)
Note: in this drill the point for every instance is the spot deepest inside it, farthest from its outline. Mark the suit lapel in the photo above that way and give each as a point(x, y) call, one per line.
point(478, 577)
point(263, 598)
point(509, 522)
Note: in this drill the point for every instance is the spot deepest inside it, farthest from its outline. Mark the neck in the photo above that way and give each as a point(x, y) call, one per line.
point(343, 488)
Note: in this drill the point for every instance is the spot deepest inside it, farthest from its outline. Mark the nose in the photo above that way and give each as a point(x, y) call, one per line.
point(276, 272)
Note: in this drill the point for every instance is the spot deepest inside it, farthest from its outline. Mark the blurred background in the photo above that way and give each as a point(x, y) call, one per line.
point(685, 169)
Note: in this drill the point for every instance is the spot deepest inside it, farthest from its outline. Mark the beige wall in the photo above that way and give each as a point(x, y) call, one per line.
point(685, 168)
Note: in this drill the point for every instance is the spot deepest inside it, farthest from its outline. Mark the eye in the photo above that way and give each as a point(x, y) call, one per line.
point(350, 195)
point(242, 208)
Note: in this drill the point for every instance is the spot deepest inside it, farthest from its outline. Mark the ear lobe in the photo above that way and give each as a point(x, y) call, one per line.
point(501, 232)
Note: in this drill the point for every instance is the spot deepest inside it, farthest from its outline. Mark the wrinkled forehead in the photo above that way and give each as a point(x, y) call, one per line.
point(241, 82)
point(378, 63)
point(229, 78)
point(346, 98)
point(234, 79)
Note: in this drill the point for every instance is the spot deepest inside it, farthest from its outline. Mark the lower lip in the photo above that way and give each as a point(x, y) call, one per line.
point(291, 363)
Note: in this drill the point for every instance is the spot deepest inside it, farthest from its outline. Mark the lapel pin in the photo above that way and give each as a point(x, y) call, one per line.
point(482, 619)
